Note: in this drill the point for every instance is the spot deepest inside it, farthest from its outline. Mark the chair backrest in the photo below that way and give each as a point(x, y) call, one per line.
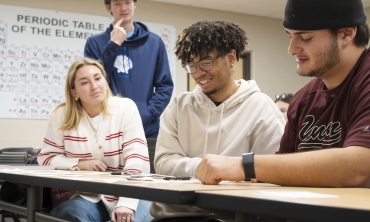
point(151, 149)
point(16, 149)
point(16, 155)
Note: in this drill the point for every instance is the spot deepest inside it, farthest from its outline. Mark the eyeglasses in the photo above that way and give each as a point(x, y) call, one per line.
point(205, 65)
point(280, 96)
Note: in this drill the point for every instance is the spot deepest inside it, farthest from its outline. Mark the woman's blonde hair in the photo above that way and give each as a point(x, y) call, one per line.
point(73, 108)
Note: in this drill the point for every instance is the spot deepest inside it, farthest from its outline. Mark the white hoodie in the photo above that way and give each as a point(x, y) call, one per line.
point(192, 126)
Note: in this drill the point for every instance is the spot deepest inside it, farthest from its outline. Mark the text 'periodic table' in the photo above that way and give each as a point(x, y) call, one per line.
point(37, 48)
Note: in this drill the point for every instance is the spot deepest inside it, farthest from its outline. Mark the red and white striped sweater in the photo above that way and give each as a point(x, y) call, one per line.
point(121, 145)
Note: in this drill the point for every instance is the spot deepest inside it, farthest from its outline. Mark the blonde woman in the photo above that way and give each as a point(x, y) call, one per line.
point(93, 130)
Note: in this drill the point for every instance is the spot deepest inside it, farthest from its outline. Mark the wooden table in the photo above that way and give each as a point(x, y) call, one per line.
point(173, 192)
point(351, 204)
point(239, 198)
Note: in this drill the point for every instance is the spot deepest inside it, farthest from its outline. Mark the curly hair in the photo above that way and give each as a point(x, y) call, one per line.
point(202, 37)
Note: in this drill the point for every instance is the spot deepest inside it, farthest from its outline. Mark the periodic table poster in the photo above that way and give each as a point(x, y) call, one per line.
point(36, 49)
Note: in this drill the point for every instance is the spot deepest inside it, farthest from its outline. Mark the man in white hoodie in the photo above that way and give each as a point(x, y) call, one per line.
point(220, 116)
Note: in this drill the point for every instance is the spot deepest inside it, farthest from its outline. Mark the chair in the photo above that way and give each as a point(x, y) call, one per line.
point(19, 155)
point(151, 149)
point(16, 155)
point(12, 156)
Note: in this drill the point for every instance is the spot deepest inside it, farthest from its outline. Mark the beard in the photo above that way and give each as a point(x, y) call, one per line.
point(213, 91)
point(326, 61)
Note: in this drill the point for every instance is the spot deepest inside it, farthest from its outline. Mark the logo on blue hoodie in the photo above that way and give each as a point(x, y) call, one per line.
point(123, 64)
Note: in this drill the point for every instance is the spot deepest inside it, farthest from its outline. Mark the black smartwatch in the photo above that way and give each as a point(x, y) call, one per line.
point(248, 164)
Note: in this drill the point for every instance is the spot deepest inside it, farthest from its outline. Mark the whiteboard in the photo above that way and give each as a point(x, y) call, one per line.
point(37, 47)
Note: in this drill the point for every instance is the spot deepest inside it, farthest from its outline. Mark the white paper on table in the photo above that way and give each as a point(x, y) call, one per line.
point(16, 170)
point(227, 182)
point(82, 178)
point(98, 173)
point(294, 194)
point(113, 180)
point(140, 178)
point(178, 181)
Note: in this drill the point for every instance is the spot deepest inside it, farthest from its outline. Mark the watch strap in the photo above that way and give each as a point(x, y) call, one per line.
point(248, 164)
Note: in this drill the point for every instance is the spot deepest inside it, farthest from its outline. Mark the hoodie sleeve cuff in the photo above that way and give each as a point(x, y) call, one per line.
point(111, 43)
point(127, 202)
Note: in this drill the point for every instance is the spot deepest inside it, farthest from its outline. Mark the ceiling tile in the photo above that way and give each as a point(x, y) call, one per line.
point(265, 8)
point(220, 6)
point(268, 5)
point(252, 11)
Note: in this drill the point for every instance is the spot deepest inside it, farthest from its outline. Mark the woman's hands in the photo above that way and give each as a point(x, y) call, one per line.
point(96, 165)
point(122, 214)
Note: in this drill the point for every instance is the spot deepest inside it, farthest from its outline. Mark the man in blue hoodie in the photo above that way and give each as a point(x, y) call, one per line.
point(136, 63)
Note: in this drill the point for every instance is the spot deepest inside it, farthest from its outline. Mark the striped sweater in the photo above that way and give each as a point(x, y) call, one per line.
point(120, 144)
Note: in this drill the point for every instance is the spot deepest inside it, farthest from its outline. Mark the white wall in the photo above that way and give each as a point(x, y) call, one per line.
point(272, 67)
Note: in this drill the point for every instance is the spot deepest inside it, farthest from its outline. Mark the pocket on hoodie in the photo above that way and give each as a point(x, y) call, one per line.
point(146, 116)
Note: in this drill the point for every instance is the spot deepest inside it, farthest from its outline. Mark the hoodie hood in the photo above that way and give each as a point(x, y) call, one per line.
point(246, 88)
point(141, 31)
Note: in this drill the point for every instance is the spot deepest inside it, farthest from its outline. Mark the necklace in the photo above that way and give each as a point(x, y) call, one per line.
point(95, 124)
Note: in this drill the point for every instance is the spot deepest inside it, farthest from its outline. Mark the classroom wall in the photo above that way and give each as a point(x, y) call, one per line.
point(272, 67)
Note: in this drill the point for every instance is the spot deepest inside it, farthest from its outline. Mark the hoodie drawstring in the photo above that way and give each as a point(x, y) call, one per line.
point(219, 128)
point(206, 143)
point(128, 56)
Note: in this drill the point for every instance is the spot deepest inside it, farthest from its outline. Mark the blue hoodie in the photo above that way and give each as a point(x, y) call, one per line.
point(138, 69)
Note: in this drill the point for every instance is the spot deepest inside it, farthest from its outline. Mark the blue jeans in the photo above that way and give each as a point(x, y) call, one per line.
point(80, 209)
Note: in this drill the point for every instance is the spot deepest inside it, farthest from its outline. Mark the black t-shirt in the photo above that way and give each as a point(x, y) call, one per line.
point(217, 103)
point(319, 118)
